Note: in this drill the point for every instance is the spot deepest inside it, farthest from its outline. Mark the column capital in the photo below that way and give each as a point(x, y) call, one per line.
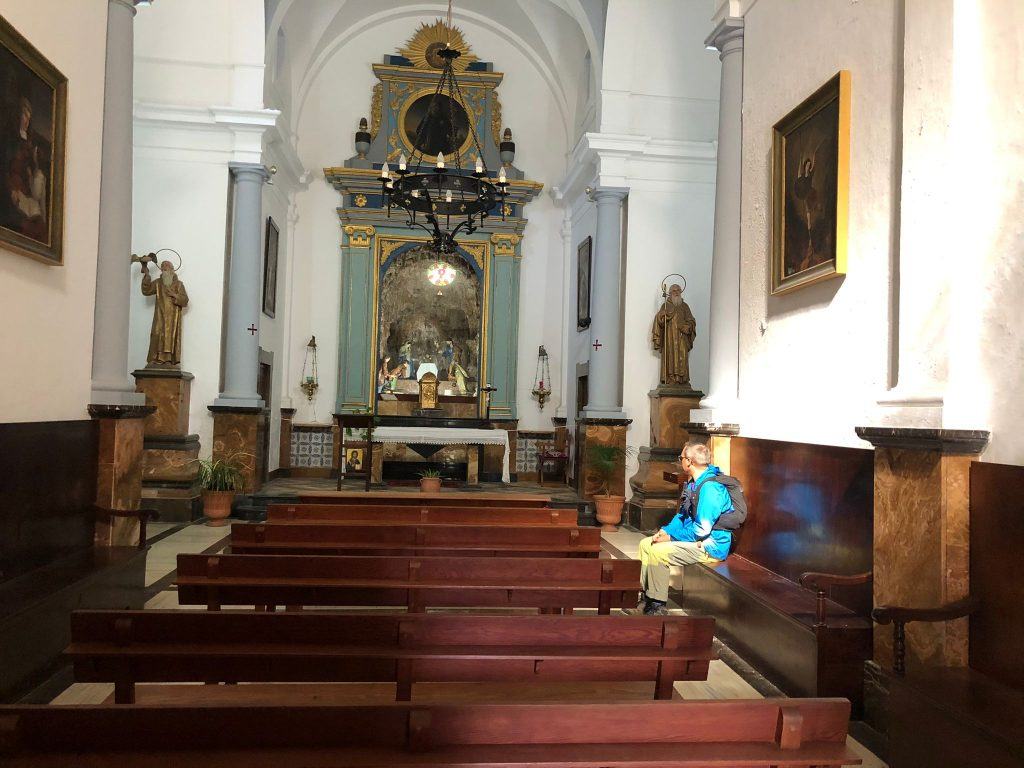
point(609, 194)
point(359, 236)
point(726, 37)
point(241, 170)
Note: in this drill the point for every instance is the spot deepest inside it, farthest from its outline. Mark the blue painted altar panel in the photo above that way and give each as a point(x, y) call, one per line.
point(355, 354)
point(503, 335)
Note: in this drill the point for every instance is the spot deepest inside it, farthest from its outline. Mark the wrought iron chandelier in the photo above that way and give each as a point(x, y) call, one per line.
point(435, 190)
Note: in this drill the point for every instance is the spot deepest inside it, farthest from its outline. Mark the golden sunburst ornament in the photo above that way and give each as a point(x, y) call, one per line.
point(429, 39)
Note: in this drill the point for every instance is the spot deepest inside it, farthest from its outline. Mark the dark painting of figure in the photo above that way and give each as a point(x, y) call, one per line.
point(32, 97)
point(811, 176)
point(810, 188)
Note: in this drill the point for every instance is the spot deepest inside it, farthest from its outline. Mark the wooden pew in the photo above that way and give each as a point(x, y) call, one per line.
point(416, 583)
point(129, 647)
point(414, 539)
point(811, 512)
point(666, 734)
point(443, 499)
point(465, 515)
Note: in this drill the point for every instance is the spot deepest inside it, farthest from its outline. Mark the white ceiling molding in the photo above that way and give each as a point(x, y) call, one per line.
point(245, 127)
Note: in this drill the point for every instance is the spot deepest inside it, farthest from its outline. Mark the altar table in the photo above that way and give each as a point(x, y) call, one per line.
point(445, 436)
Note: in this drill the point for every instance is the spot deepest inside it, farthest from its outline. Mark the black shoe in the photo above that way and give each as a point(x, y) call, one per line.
point(655, 608)
point(641, 607)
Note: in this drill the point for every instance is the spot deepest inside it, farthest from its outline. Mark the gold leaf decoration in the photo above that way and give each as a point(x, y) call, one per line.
point(376, 107)
point(387, 247)
point(475, 251)
point(496, 120)
point(423, 46)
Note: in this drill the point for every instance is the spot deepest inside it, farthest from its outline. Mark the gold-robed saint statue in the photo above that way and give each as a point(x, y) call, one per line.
point(171, 298)
point(673, 333)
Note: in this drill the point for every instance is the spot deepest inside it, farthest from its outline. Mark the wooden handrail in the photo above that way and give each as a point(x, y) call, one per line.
point(142, 515)
point(900, 616)
point(822, 583)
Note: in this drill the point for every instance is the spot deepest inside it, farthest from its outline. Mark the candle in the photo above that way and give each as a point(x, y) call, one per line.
point(385, 172)
point(401, 162)
point(501, 175)
point(416, 192)
point(448, 196)
point(440, 161)
point(479, 165)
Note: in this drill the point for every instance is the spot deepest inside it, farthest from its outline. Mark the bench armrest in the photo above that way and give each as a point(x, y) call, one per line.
point(900, 616)
point(822, 583)
point(142, 515)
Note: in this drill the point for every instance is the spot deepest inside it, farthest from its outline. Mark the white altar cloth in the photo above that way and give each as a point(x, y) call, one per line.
point(447, 436)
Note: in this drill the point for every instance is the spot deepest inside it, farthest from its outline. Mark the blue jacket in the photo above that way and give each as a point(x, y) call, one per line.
point(714, 502)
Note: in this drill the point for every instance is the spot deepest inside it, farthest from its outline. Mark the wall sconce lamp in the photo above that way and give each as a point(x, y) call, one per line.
point(310, 381)
point(542, 378)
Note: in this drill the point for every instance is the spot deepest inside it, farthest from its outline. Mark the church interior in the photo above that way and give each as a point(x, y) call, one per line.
point(393, 356)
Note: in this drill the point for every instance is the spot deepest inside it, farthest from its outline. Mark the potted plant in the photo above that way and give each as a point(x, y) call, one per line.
point(430, 481)
point(602, 461)
point(220, 480)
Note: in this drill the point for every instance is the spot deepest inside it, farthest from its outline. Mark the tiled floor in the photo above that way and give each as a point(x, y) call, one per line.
point(723, 682)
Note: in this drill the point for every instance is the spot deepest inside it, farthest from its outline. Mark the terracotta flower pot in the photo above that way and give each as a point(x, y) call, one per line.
point(430, 485)
point(609, 511)
point(217, 506)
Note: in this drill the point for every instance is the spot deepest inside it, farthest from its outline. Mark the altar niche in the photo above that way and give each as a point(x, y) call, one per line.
point(430, 320)
point(427, 326)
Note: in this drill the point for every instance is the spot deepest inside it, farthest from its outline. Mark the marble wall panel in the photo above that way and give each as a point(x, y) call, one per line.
point(668, 412)
point(170, 395)
point(167, 465)
point(602, 434)
point(239, 435)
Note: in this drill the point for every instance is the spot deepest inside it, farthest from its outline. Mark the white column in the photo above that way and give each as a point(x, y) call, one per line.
point(566, 378)
point(721, 402)
point(605, 376)
point(289, 286)
point(111, 384)
point(242, 338)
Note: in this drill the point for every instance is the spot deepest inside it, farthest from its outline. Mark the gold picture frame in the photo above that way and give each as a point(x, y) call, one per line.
point(33, 97)
point(810, 188)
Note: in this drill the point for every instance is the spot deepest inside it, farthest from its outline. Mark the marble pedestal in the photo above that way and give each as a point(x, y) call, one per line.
point(601, 432)
point(119, 469)
point(670, 408)
point(239, 433)
point(169, 472)
point(921, 535)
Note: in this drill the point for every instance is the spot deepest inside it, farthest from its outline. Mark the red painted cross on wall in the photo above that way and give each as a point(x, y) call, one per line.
point(597, 344)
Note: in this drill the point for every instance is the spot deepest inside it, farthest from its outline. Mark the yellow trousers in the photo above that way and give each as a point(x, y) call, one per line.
point(655, 560)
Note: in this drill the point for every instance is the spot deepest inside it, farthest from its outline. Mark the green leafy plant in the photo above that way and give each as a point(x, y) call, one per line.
point(427, 473)
point(603, 459)
point(222, 474)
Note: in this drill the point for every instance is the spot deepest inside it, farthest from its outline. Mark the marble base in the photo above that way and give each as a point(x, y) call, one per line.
point(169, 391)
point(176, 502)
point(284, 457)
point(238, 434)
point(654, 498)
point(921, 535)
point(119, 474)
point(670, 408)
point(601, 431)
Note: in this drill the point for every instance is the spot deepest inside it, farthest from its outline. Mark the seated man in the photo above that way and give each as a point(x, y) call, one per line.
point(690, 537)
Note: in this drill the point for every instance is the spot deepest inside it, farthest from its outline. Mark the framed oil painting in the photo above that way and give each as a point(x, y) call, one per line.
point(270, 269)
point(810, 188)
point(583, 253)
point(33, 106)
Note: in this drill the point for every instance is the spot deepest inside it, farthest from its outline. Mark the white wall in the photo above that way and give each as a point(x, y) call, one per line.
point(46, 313)
point(813, 362)
point(199, 107)
point(324, 128)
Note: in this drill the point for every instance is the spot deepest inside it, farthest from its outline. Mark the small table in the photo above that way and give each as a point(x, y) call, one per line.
point(444, 436)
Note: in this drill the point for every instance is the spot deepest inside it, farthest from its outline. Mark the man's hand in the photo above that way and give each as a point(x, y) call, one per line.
point(660, 536)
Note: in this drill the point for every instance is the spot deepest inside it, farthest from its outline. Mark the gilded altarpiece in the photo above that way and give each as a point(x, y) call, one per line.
point(382, 344)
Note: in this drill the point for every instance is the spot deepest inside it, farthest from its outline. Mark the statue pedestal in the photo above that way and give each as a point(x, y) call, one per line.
point(670, 408)
point(654, 499)
point(169, 472)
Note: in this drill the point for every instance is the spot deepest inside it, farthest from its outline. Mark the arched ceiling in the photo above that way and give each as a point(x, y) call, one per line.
point(554, 35)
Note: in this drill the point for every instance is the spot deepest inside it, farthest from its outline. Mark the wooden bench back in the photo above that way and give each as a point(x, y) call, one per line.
point(421, 514)
point(997, 538)
point(414, 582)
point(298, 537)
point(811, 508)
point(443, 499)
point(670, 734)
point(129, 647)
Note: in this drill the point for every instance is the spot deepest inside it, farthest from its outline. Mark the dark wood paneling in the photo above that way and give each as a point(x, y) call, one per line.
point(811, 509)
point(48, 476)
point(997, 538)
